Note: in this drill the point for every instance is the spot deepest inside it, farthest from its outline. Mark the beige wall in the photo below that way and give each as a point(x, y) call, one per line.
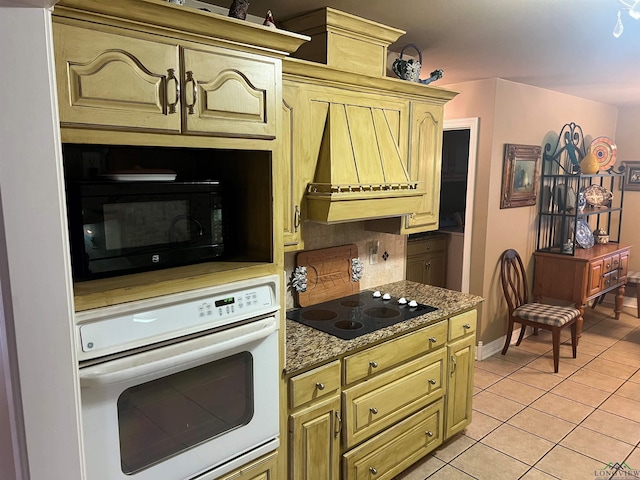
point(626, 140)
point(511, 113)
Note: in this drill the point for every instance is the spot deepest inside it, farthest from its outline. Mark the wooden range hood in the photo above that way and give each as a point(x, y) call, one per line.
point(360, 173)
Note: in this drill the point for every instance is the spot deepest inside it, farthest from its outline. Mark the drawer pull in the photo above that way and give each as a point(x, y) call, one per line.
point(429, 433)
point(320, 386)
point(373, 364)
point(432, 381)
point(466, 326)
point(373, 410)
point(433, 339)
point(373, 470)
point(608, 266)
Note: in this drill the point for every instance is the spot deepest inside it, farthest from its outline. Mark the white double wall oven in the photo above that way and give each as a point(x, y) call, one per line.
point(183, 386)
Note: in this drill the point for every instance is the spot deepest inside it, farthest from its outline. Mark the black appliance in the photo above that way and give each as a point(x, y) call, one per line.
point(118, 227)
point(356, 315)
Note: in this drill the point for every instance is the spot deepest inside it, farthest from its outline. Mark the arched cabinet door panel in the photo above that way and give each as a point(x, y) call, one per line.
point(113, 81)
point(230, 93)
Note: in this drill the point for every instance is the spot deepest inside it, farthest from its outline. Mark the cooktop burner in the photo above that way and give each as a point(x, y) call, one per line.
point(359, 314)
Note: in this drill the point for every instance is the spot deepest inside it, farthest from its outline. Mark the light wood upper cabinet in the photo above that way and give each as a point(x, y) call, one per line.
point(109, 80)
point(425, 164)
point(229, 92)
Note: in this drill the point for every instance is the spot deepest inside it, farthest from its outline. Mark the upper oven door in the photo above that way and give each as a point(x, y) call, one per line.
point(183, 409)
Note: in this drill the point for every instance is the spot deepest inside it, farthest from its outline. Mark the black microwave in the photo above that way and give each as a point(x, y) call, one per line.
point(119, 227)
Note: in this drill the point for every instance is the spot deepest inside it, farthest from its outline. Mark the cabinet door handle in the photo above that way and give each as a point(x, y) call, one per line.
point(171, 107)
point(432, 381)
point(433, 339)
point(466, 326)
point(320, 386)
point(373, 470)
point(429, 433)
point(296, 219)
point(338, 424)
point(373, 364)
point(374, 410)
point(454, 364)
point(191, 79)
point(608, 266)
point(427, 265)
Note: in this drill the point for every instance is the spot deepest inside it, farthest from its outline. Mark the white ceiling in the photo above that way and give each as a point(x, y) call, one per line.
point(561, 45)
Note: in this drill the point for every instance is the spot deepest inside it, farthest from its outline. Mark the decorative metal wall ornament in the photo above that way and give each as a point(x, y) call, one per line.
point(357, 269)
point(571, 141)
point(299, 279)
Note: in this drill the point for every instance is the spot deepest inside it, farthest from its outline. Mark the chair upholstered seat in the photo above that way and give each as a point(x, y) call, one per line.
point(553, 315)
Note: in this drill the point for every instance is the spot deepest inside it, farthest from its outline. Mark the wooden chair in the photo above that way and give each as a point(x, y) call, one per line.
point(536, 315)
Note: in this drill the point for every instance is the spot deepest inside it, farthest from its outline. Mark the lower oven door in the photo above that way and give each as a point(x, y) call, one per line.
point(202, 406)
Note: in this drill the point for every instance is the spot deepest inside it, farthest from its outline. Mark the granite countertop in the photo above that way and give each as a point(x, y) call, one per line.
point(307, 346)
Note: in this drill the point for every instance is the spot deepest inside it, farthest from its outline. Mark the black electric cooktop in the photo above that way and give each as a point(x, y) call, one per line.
point(356, 315)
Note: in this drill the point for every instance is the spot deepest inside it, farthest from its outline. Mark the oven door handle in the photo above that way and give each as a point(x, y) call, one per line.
point(177, 357)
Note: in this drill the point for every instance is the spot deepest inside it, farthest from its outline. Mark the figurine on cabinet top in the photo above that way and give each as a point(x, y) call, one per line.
point(239, 9)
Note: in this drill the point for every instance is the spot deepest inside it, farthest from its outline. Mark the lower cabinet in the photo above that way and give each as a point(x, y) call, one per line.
point(397, 401)
point(264, 468)
point(315, 424)
point(427, 261)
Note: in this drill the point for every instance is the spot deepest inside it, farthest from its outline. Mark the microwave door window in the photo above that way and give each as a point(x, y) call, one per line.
point(144, 224)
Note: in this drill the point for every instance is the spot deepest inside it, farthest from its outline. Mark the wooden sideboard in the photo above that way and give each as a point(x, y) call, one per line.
point(582, 277)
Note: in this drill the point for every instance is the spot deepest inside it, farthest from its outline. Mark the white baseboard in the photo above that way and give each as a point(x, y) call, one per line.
point(484, 351)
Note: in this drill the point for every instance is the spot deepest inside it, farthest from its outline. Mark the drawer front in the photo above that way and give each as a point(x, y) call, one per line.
point(426, 245)
point(391, 452)
point(611, 263)
point(378, 359)
point(463, 324)
point(375, 405)
point(610, 279)
point(314, 384)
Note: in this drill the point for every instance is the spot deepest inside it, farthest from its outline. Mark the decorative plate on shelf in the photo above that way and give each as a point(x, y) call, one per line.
point(605, 151)
point(584, 236)
point(597, 196)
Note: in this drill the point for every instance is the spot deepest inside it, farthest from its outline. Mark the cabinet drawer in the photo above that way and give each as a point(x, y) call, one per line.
point(391, 452)
point(426, 245)
point(375, 405)
point(314, 384)
point(463, 324)
point(378, 359)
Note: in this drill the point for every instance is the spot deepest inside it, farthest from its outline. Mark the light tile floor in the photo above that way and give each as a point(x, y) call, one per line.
point(530, 423)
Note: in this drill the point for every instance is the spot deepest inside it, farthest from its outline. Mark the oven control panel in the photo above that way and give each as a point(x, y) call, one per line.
point(229, 306)
point(117, 329)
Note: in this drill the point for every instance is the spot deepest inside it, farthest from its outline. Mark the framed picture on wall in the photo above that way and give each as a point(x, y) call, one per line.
point(631, 175)
point(520, 175)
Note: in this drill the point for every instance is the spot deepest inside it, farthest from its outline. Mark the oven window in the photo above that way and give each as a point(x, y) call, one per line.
point(169, 415)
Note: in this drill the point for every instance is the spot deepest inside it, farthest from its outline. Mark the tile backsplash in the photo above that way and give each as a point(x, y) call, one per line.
point(317, 235)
